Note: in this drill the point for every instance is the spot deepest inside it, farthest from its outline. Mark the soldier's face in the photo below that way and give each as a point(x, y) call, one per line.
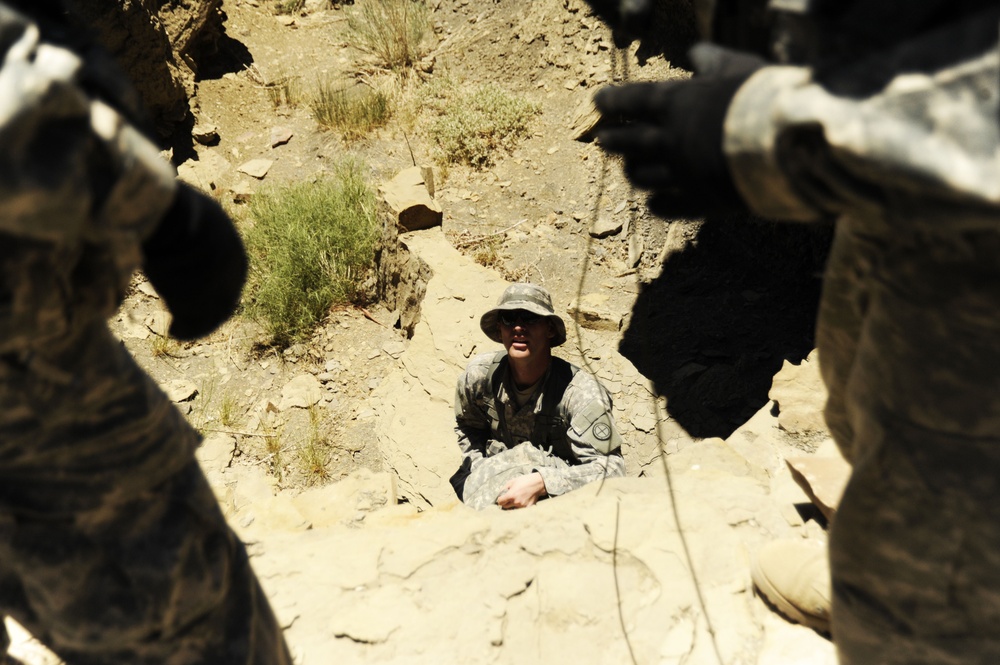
point(526, 336)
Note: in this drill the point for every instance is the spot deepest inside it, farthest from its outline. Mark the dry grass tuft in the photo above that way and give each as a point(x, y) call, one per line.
point(354, 111)
point(394, 31)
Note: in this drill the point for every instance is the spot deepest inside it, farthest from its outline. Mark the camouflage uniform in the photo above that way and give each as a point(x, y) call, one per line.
point(584, 411)
point(112, 546)
point(909, 324)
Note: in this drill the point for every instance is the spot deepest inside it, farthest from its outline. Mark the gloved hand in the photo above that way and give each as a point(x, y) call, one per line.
point(670, 134)
point(196, 262)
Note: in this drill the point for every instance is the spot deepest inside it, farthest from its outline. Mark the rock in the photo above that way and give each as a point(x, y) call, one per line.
point(295, 351)
point(362, 490)
point(26, 649)
point(241, 192)
point(179, 390)
point(410, 198)
point(158, 322)
point(207, 173)
point(395, 563)
point(823, 479)
point(147, 289)
point(592, 313)
point(215, 454)
point(643, 422)
point(679, 236)
point(800, 395)
point(205, 134)
point(301, 392)
point(584, 120)
point(280, 136)
point(394, 347)
point(426, 64)
point(216, 451)
point(415, 418)
point(635, 249)
point(257, 509)
point(604, 227)
point(256, 168)
point(133, 329)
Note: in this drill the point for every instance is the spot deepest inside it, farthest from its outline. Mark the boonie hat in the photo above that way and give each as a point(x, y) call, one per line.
point(529, 297)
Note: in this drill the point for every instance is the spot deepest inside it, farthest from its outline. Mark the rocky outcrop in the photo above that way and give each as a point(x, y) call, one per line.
point(799, 396)
point(416, 434)
point(410, 199)
point(584, 578)
point(158, 45)
point(406, 203)
point(359, 578)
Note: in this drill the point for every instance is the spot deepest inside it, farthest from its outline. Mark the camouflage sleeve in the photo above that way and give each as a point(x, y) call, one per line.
point(471, 422)
point(72, 168)
point(592, 434)
point(925, 140)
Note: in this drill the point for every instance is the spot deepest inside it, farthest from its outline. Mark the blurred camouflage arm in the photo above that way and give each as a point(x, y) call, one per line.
point(798, 150)
point(593, 437)
point(72, 168)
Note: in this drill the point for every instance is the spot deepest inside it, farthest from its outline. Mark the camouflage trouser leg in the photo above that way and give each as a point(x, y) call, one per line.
point(159, 578)
point(487, 480)
point(915, 546)
point(113, 549)
point(916, 564)
point(841, 311)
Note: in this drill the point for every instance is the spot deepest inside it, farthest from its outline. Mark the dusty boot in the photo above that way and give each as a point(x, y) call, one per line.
point(794, 576)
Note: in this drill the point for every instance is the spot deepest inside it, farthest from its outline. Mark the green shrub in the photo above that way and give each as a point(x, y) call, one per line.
point(311, 247)
point(473, 126)
point(354, 111)
point(391, 30)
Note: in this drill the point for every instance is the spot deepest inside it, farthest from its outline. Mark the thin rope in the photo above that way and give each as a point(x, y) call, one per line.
point(619, 61)
point(602, 176)
point(643, 334)
point(614, 568)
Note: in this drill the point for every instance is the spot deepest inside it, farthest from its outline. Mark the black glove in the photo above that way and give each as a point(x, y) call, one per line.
point(196, 262)
point(670, 134)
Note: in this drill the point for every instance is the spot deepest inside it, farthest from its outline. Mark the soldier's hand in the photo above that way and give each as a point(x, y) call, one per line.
point(196, 262)
point(522, 491)
point(670, 134)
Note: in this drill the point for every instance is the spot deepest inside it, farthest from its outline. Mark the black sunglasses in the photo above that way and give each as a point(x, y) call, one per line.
point(518, 317)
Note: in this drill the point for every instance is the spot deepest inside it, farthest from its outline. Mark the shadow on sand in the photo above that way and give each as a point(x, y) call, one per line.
point(716, 325)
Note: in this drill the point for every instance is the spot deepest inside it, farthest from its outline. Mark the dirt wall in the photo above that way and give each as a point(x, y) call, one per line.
point(158, 44)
